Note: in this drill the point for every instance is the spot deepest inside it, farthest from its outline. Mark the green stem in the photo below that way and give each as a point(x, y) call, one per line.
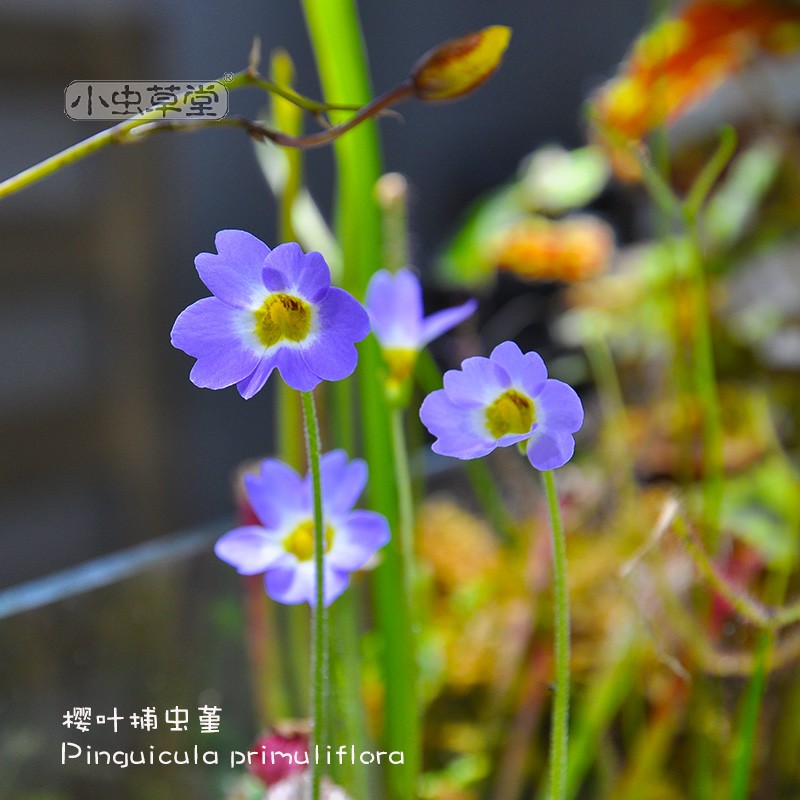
point(150, 122)
point(293, 624)
point(320, 665)
point(266, 670)
point(601, 361)
point(339, 50)
point(559, 734)
point(116, 134)
point(706, 385)
point(704, 710)
point(744, 743)
point(285, 92)
point(746, 607)
point(408, 570)
point(338, 47)
point(744, 746)
point(405, 499)
point(287, 116)
point(705, 181)
point(602, 702)
point(703, 368)
point(346, 674)
point(293, 647)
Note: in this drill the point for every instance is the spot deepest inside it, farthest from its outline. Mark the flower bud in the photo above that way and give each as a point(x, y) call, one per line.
point(457, 67)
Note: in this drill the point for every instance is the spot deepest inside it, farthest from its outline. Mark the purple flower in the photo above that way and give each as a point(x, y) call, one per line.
point(394, 303)
point(272, 309)
point(502, 400)
point(283, 545)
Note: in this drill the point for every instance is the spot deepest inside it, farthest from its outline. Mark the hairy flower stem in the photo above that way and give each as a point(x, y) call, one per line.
point(405, 501)
point(319, 649)
point(405, 512)
point(559, 732)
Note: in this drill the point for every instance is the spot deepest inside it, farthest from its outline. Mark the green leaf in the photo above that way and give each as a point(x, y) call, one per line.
point(466, 260)
point(761, 507)
point(734, 205)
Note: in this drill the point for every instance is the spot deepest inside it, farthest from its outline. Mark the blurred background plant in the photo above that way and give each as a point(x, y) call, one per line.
point(692, 354)
point(665, 254)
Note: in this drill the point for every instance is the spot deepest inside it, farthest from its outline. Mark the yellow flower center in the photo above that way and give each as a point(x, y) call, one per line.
point(282, 316)
point(401, 361)
point(511, 412)
point(300, 542)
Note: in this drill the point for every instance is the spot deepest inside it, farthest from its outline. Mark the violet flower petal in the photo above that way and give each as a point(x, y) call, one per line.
point(477, 383)
point(394, 303)
point(332, 355)
point(275, 281)
point(298, 584)
point(558, 406)
point(250, 549)
point(233, 274)
point(442, 321)
point(294, 369)
point(290, 585)
point(306, 273)
point(342, 481)
point(357, 539)
point(276, 494)
point(527, 370)
point(550, 449)
point(215, 334)
point(460, 431)
point(336, 581)
point(254, 382)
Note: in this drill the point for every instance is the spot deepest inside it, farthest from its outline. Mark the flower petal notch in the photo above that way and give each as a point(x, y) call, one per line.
point(458, 66)
point(503, 400)
point(282, 545)
point(271, 309)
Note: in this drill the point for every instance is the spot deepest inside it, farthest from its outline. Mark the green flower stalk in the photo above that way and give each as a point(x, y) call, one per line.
point(559, 731)
point(500, 401)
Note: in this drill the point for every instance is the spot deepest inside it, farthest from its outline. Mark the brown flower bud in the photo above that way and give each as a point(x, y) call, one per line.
point(457, 67)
